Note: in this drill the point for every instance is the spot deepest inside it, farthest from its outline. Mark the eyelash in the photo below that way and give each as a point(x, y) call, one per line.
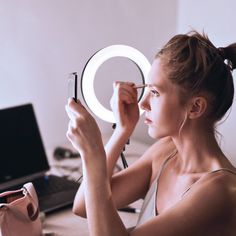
point(154, 93)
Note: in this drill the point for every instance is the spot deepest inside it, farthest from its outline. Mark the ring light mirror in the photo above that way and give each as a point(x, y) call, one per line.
point(91, 67)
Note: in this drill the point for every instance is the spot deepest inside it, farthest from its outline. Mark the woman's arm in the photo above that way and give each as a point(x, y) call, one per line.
point(113, 150)
point(85, 136)
point(125, 108)
point(127, 185)
point(102, 215)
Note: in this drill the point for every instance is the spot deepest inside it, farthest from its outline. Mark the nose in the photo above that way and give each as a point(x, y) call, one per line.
point(144, 103)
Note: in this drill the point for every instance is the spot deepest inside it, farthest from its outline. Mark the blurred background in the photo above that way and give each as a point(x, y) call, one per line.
point(42, 42)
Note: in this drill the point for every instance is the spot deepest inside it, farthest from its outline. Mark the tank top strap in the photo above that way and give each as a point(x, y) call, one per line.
point(148, 209)
point(210, 172)
point(164, 163)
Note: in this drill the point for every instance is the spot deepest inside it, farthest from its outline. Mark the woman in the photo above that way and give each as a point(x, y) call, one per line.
point(188, 183)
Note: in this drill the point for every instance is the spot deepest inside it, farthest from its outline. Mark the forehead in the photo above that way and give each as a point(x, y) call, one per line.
point(158, 76)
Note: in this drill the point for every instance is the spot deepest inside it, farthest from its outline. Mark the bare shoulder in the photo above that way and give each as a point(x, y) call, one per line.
point(207, 209)
point(215, 194)
point(223, 183)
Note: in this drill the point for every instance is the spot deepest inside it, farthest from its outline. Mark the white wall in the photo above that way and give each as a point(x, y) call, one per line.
point(42, 41)
point(217, 19)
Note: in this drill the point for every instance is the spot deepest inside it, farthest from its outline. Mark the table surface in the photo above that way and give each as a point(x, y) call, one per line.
point(64, 222)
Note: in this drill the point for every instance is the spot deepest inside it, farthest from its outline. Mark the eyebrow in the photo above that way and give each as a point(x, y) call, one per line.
point(149, 85)
point(159, 87)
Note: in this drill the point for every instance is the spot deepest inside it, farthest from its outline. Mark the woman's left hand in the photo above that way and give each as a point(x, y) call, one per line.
point(83, 131)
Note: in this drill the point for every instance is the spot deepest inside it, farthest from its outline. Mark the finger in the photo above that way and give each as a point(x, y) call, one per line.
point(76, 107)
point(70, 113)
point(128, 87)
point(129, 92)
point(70, 131)
point(117, 83)
point(71, 103)
point(124, 96)
point(76, 119)
point(71, 126)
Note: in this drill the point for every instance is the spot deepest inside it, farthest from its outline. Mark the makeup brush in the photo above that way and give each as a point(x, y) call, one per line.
point(140, 86)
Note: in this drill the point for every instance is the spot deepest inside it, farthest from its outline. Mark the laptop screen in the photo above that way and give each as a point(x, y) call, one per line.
point(21, 148)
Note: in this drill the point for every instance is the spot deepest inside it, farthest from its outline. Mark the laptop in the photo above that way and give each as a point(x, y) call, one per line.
point(23, 159)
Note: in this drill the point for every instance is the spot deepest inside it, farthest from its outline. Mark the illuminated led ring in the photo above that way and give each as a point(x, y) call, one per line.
point(92, 66)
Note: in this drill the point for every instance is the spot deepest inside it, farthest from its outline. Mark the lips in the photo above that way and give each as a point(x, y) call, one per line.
point(147, 121)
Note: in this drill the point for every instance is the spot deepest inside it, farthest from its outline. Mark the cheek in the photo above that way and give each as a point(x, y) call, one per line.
point(160, 110)
point(167, 115)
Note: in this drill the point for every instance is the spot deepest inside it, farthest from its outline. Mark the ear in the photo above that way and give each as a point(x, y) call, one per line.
point(197, 107)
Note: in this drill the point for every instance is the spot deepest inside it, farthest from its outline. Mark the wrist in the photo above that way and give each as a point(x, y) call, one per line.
point(95, 153)
point(124, 131)
point(93, 164)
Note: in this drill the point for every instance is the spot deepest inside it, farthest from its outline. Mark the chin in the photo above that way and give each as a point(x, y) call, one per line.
point(155, 134)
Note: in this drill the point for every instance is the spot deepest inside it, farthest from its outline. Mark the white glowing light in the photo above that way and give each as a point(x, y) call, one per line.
point(92, 66)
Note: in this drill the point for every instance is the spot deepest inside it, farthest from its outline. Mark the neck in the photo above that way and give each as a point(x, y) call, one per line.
point(198, 151)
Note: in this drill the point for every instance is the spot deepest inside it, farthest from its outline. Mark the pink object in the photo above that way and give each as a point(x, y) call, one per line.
point(19, 214)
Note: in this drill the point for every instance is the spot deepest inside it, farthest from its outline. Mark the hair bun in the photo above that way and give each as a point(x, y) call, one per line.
point(221, 52)
point(228, 54)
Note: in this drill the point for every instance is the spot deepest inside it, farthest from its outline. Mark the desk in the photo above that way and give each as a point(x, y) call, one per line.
point(64, 222)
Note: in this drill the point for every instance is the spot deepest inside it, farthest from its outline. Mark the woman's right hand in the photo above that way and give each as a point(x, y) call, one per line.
point(124, 104)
